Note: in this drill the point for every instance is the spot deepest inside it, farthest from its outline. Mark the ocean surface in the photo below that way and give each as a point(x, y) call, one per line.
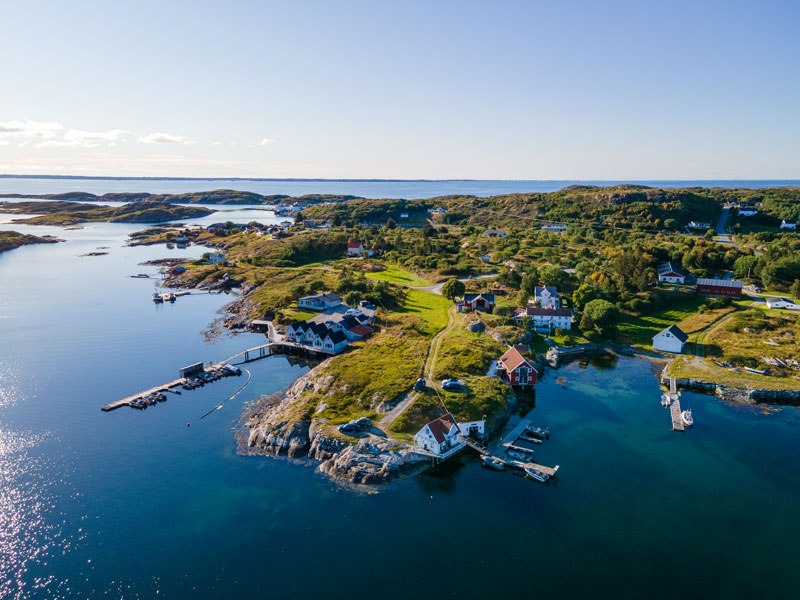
point(133, 504)
point(408, 189)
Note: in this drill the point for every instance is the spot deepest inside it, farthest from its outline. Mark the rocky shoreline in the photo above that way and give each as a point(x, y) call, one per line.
point(737, 394)
point(280, 427)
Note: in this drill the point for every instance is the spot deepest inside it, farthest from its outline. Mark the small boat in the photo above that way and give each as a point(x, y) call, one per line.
point(542, 434)
point(525, 437)
point(520, 455)
point(141, 276)
point(157, 298)
point(492, 462)
point(665, 400)
point(536, 474)
point(168, 297)
point(688, 420)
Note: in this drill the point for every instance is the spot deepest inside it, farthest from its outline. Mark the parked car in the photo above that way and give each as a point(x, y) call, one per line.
point(453, 385)
point(419, 385)
point(349, 429)
point(363, 423)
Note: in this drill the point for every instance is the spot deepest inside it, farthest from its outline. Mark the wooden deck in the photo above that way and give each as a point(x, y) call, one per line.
point(512, 435)
point(675, 406)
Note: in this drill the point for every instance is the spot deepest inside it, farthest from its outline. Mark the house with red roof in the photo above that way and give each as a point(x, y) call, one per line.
point(445, 436)
point(516, 369)
point(356, 249)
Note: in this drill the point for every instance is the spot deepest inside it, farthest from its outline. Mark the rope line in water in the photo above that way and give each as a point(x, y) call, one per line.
point(236, 393)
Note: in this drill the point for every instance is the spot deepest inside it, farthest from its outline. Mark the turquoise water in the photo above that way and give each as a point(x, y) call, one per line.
point(133, 504)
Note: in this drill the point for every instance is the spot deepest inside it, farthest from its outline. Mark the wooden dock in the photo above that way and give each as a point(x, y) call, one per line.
point(516, 432)
point(520, 466)
point(127, 401)
point(675, 406)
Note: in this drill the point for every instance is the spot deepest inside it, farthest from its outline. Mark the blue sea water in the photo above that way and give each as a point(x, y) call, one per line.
point(135, 504)
point(409, 189)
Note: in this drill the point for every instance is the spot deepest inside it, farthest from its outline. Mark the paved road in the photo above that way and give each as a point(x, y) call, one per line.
point(722, 235)
point(436, 288)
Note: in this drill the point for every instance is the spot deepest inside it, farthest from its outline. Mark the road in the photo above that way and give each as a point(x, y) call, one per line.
point(436, 288)
point(722, 234)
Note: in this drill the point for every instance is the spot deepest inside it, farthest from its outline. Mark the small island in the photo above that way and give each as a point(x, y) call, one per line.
point(72, 213)
point(12, 239)
point(209, 197)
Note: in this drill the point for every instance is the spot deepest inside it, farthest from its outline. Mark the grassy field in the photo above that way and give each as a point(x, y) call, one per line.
point(463, 353)
point(395, 274)
point(704, 370)
point(431, 308)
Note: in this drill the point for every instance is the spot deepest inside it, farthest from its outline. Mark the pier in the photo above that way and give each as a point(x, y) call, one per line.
point(675, 406)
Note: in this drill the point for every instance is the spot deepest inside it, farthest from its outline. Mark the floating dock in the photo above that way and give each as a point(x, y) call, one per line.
point(508, 443)
point(675, 406)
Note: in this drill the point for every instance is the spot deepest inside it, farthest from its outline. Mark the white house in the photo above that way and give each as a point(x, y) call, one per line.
point(748, 212)
point(546, 319)
point(669, 272)
point(779, 302)
point(356, 249)
point(671, 339)
point(546, 296)
point(445, 436)
point(403, 215)
point(495, 233)
point(556, 227)
point(320, 301)
point(788, 224)
point(216, 258)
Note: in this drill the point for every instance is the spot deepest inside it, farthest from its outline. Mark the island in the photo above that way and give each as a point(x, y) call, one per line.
point(53, 212)
point(437, 316)
point(209, 197)
point(12, 239)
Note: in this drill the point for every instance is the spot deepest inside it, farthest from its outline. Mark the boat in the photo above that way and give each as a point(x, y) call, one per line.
point(525, 437)
point(665, 400)
point(141, 276)
point(157, 297)
point(536, 474)
point(170, 297)
point(688, 420)
point(520, 455)
point(542, 434)
point(492, 462)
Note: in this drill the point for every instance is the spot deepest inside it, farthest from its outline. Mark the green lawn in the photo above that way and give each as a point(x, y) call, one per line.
point(572, 337)
point(395, 274)
point(431, 308)
point(640, 329)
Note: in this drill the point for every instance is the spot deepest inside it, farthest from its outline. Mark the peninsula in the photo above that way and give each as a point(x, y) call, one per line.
point(72, 213)
point(12, 239)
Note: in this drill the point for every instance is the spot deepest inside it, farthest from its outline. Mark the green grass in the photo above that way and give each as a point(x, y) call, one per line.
point(395, 274)
point(640, 329)
point(431, 308)
point(463, 353)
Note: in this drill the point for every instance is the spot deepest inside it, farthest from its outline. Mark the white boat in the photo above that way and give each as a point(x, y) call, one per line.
point(157, 298)
point(687, 418)
point(665, 400)
point(493, 463)
point(536, 474)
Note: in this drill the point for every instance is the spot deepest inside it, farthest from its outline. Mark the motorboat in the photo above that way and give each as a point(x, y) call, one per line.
point(665, 400)
point(542, 434)
point(520, 455)
point(493, 462)
point(537, 474)
point(688, 420)
point(526, 437)
point(157, 298)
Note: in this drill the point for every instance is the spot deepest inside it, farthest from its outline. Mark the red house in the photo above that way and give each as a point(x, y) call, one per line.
point(719, 288)
point(473, 302)
point(516, 368)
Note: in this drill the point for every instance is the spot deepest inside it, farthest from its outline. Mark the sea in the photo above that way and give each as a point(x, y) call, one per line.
point(160, 504)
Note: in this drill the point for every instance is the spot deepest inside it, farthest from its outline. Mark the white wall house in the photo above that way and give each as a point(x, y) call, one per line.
point(788, 224)
point(669, 272)
point(748, 212)
point(216, 258)
point(779, 302)
point(671, 339)
point(320, 301)
point(441, 437)
point(545, 320)
point(546, 296)
point(356, 249)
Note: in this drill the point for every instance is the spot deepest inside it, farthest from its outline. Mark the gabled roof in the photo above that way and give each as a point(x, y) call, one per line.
point(731, 283)
point(670, 267)
point(442, 426)
point(354, 244)
point(349, 322)
point(335, 336)
point(540, 288)
point(512, 359)
point(473, 297)
point(674, 330)
point(361, 330)
point(538, 311)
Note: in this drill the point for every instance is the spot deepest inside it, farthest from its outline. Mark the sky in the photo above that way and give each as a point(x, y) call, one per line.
point(409, 89)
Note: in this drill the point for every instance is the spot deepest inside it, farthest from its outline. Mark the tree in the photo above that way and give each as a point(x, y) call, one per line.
point(352, 298)
point(552, 276)
point(585, 294)
point(602, 315)
point(390, 224)
point(453, 289)
point(795, 291)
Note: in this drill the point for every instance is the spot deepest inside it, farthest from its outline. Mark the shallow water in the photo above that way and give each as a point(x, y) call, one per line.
point(129, 503)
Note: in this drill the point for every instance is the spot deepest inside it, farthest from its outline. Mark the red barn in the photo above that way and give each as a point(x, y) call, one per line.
point(719, 288)
point(517, 369)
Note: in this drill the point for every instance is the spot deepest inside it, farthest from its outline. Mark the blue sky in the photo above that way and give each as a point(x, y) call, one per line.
point(432, 89)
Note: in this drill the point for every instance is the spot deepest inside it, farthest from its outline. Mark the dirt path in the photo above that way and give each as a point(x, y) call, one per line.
point(699, 344)
point(436, 288)
point(430, 361)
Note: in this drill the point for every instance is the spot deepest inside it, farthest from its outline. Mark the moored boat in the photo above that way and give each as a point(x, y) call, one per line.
point(492, 462)
point(536, 474)
point(665, 400)
point(688, 420)
point(526, 437)
point(157, 297)
point(542, 434)
point(520, 455)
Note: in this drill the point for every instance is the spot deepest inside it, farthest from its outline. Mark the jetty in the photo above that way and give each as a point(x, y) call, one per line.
point(508, 443)
point(675, 406)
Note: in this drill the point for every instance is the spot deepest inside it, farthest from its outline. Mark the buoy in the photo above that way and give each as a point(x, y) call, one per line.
point(188, 424)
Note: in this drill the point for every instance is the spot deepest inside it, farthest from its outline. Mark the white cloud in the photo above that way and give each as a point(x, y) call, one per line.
point(163, 138)
point(217, 143)
point(87, 138)
point(29, 129)
point(265, 141)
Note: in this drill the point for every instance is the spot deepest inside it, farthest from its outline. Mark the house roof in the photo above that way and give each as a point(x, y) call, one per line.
point(674, 330)
point(512, 359)
point(354, 244)
point(670, 267)
point(330, 296)
point(540, 288)
point(442, 426)
point(349, 322)
point(361, 330)
point(531, 311)
point(336, 336)
point(731, 283)
point(474, 297)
